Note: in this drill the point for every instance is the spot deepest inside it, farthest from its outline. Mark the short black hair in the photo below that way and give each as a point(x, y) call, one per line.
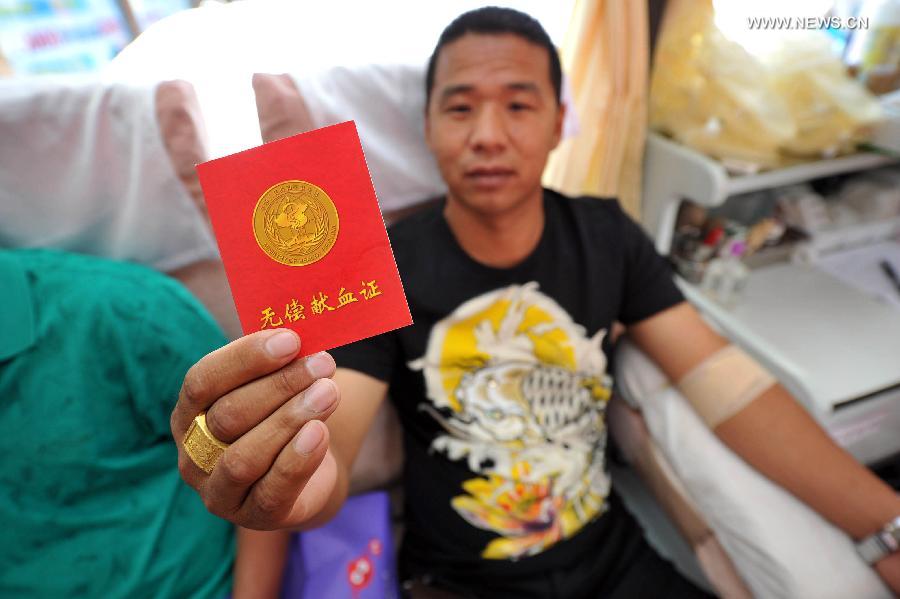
point(494, 19)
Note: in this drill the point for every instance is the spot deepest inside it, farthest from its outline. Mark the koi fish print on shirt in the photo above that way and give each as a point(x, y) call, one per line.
point(521, 392)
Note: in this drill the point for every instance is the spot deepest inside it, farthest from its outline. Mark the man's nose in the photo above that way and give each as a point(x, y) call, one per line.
point(488, 130)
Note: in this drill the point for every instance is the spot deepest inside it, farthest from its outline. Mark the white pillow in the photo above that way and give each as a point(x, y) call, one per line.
point(388, 104)
point(83, 168)
point(781, 547)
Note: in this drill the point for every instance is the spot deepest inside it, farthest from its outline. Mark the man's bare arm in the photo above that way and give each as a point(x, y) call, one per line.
point(259, 563)
point(271, 409)
point(777, 436)
point(361, 396)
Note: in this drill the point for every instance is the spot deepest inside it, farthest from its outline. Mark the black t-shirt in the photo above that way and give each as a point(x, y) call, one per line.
point(501, 386)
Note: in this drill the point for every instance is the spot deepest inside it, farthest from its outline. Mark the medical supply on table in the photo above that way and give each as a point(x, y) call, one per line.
point(725, 277)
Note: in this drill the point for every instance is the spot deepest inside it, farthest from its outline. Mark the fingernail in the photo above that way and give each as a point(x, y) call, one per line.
point(320, 365)
point(282, 344)
point(319, 397)
point(310, 437)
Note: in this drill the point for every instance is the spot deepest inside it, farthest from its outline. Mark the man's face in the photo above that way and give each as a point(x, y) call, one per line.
point(492, 120)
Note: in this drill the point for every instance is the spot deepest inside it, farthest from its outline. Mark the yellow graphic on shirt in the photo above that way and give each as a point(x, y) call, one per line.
point(521, 392)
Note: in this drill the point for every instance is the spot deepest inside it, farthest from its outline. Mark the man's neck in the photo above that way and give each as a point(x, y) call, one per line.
point(497, 240)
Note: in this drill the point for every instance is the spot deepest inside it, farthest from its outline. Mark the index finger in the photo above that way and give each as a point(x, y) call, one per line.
point(229, 367)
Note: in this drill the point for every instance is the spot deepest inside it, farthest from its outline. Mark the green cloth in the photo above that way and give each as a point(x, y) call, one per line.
point(92, 355)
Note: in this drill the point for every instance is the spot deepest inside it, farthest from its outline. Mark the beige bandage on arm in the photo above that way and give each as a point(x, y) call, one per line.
point(724, 384)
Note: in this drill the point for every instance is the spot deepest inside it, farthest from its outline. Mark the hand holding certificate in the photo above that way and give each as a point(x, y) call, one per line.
point(305, 249)
point(303, 240)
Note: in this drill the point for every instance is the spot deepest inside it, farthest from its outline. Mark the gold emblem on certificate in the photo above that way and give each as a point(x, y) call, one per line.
point(295, 223)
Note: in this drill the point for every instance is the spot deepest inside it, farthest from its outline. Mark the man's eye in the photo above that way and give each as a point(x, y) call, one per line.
point(519, 106)
point(458, 108)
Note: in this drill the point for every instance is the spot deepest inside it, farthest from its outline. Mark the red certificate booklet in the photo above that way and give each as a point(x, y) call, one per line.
point(303, 240)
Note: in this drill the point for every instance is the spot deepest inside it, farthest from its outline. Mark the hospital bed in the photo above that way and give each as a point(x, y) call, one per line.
point(91, 169)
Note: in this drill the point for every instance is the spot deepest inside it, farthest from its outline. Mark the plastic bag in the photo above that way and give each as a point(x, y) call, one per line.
point(351, 556)
point(711, 94)
point(833, 112)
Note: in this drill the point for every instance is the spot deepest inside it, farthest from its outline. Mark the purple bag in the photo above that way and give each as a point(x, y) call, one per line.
point(352, 556)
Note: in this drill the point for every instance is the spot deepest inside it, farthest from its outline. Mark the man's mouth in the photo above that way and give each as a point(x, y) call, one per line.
point(489, 177)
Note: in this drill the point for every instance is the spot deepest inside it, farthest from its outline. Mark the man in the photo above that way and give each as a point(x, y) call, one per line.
point(92, 353)
point(501, 382)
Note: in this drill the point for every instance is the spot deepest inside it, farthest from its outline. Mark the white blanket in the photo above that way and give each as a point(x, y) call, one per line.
point(781, 548)
point(83, 168)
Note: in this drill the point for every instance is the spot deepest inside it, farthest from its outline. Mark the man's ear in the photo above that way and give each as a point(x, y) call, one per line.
point(558, 125)
point(428, 130)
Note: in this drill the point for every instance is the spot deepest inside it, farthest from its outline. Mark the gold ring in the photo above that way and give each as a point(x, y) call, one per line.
point(203, 447)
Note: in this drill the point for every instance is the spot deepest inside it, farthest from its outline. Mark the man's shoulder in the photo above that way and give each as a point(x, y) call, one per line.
point(103, 278)
point(591, 218)
point(116, 293)
point(76, 270)
point(597, 206)
point(417, 225)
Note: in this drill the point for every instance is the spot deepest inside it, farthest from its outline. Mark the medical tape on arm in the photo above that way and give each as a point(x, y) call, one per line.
point(724, 384)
